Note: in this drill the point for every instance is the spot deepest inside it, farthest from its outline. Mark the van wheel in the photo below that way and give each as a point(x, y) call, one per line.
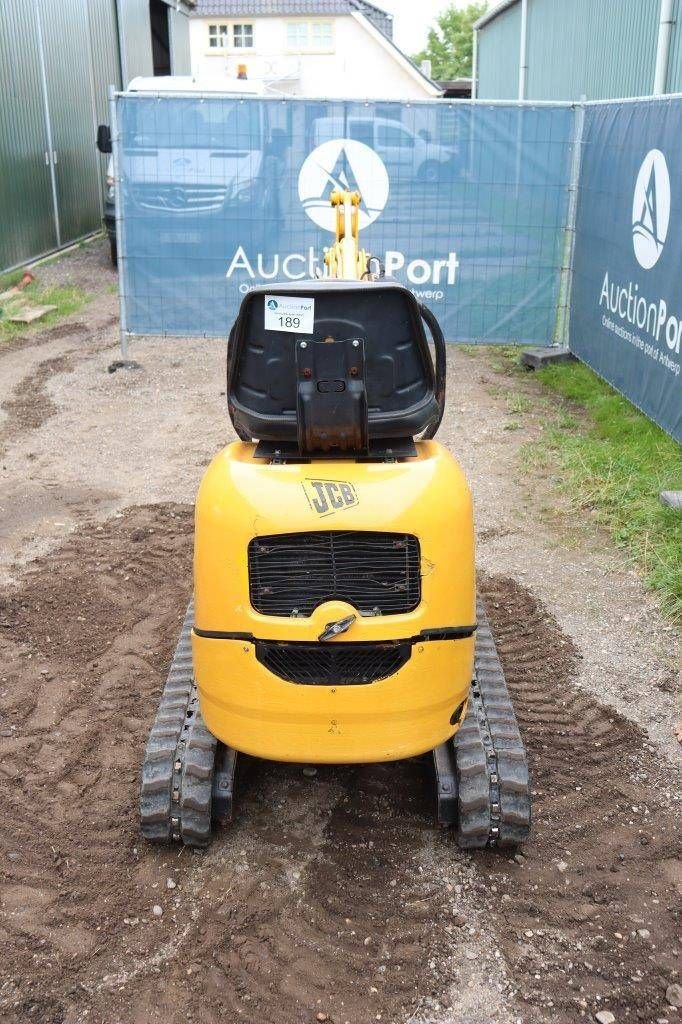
point(430, 172)
point(113, 248)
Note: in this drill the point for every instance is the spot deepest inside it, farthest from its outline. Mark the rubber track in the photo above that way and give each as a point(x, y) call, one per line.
point(196, 791)
point(177, 771)
point(492, 769)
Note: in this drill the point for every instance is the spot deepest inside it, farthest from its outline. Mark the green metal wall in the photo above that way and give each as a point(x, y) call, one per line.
point(135, 30)
point(135, 35)
point(674, 83)
point(597, 50)
point(27, 225)
point(576, 48)
point(179, 41)
point(106, 61)
point(51, 176)
point(105, 65)
point(70, 94)
point(56, 62)
point(498, 56)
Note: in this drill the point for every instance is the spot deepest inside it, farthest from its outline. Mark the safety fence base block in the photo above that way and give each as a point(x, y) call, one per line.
point(123, 364)
point(536, 358)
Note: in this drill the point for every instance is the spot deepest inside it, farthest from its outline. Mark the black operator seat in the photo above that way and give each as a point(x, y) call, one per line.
point(333, 367)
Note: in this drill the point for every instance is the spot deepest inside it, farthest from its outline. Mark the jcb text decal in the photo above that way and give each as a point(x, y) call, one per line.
point(328, 496)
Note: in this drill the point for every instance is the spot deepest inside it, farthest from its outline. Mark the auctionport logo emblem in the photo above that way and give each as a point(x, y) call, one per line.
point(272, 304)
point(651, 209)
point(342, 164)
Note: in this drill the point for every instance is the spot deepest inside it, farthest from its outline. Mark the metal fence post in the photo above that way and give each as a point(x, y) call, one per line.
point(124, 362)
point(564, 311)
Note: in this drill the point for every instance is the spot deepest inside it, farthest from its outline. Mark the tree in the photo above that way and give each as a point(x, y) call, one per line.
point(449, 45)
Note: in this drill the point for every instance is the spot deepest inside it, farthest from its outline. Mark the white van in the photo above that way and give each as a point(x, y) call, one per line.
point(399, 147)
point(212, 174)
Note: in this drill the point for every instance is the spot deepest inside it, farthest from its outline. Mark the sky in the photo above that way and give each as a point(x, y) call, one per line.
point(413, 18)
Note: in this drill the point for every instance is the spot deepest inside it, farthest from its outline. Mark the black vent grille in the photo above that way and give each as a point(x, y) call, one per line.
point(292, 573)
point(335, 664)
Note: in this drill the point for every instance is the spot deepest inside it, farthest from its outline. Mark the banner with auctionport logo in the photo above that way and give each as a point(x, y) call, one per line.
point(463, 203)
point(626, 301)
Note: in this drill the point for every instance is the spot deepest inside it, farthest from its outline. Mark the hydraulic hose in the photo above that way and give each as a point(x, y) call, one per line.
point(439, 345)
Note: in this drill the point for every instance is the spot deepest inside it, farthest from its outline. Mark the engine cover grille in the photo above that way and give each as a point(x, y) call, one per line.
point(333, 664)
point(292, 573)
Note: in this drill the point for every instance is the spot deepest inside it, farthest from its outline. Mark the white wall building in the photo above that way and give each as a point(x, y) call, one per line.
point(315, 48)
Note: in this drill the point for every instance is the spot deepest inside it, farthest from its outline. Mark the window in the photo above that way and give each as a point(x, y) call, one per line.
point(309, 35)
point(218, 36)
point(225, 37)
point(321, 35)
point(243, 36)
point(362, 131)
point(297, 35)
point(387, 135)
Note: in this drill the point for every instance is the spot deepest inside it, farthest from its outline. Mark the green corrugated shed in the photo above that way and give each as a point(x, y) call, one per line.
point(575, 49)
point(26, 205)
point(57, 60)
point(135, 39)
point(179, 37)
point(498, 56)
point(674, 83)
point(70, 94)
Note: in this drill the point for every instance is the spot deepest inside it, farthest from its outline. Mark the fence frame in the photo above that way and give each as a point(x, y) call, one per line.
point(563, 309)
point(125, 333)
point(665, 98)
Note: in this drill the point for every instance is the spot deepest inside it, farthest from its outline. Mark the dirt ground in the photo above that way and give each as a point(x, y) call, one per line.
point(334, 894)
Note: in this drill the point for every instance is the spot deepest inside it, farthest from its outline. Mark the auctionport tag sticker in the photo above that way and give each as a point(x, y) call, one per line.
point(289, 313)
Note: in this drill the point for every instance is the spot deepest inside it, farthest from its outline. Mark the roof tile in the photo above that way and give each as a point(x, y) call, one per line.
point(292, 8)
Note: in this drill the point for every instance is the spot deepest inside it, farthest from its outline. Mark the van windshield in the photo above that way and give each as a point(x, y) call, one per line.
point(223, 124)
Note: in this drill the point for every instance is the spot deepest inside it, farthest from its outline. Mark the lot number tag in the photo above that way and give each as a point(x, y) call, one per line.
point(289, 313)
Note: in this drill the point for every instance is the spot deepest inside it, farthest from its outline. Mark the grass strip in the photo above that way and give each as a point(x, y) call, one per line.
point(67, 300)
point(615, 461)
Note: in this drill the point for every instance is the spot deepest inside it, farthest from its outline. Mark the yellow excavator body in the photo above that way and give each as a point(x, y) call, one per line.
point(243, 701)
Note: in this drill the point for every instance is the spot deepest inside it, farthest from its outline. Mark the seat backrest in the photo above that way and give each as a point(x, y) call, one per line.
point(281, 373)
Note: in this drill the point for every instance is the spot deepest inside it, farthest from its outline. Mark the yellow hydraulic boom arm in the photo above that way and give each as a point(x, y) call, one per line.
point(345, 259)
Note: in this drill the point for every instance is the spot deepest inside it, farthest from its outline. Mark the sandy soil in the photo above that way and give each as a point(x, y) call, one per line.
point(335, 894)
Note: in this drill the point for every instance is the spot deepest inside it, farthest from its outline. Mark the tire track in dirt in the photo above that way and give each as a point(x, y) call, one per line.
point(328, 908)
point(333, 894)
point(84, 644)
point(592, 918)
point(275, 917)
point(98, 323)
point(30, 405)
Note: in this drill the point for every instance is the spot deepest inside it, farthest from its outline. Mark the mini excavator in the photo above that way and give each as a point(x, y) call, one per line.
point(335, 617)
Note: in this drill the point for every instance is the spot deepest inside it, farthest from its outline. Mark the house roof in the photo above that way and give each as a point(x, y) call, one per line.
point(492, 14)
point(263, 8)
point(397, 53)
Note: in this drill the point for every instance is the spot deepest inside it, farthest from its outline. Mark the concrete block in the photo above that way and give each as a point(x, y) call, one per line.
point(536, 358)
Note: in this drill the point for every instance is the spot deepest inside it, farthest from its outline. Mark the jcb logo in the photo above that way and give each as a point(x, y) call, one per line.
point(328, 496)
